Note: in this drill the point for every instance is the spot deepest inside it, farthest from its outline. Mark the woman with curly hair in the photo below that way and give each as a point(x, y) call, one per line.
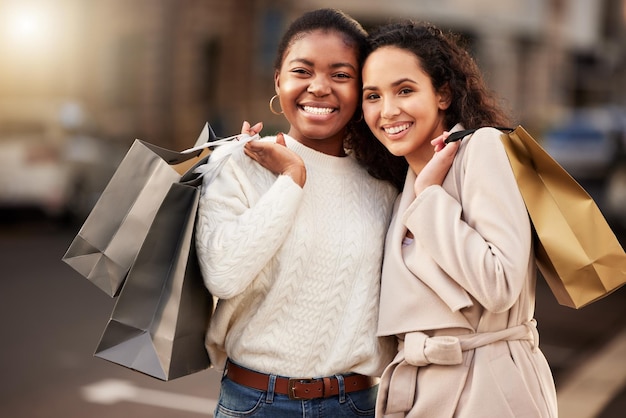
point(458, 284)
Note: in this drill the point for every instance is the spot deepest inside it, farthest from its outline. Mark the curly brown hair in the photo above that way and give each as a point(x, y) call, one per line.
point(447, 63)
point(373, 155)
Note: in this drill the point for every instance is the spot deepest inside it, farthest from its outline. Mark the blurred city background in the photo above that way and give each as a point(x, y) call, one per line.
point(81, 79)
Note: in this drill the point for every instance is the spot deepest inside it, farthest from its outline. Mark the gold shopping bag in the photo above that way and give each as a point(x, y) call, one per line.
point(576, 251)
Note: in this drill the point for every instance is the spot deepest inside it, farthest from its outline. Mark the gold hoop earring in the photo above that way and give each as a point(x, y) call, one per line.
point(272, 105)
point(359, 119)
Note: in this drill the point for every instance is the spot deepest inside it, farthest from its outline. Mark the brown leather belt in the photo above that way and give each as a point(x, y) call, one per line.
point(297, 388)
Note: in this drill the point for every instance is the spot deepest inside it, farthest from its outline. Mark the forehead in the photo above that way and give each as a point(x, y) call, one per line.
point(389, 54)
point(322, 44)
point(391, 60)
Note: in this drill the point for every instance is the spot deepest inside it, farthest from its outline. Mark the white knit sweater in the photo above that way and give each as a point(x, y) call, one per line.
point(297, 270)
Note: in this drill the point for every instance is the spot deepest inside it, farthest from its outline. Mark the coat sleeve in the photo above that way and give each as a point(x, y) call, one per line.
point(483, 239)
point(239, 228)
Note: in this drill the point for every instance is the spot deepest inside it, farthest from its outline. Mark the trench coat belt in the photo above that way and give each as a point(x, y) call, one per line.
point(418, 349)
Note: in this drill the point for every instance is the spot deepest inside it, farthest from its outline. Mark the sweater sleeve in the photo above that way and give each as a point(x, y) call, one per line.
point(482, 242)
point(239, 228)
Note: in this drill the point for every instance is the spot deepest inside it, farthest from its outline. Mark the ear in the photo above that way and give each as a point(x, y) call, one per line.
point(277, 82)
point(444, 97)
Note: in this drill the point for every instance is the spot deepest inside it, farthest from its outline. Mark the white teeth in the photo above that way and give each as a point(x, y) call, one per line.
point(318, 110)
point(396, 129)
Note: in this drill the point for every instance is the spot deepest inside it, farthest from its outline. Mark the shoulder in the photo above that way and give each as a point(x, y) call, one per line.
point(487, 135)
point(239, 158)
point(237, 166)
point(485, 143)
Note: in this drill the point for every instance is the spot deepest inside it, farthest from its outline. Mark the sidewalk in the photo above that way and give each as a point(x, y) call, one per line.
point(586, 350)
point(597, 388)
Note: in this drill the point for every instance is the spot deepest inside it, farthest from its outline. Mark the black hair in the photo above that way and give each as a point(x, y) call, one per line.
point(325, 20)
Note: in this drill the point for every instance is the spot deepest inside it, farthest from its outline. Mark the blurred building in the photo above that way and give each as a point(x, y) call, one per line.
point(158, 69)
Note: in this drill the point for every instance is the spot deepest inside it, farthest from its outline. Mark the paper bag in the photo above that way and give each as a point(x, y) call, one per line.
point(110, 238)
point(577, 252)
point(160, 319)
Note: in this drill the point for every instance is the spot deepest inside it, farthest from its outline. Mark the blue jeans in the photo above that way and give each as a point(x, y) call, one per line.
point(241, 401)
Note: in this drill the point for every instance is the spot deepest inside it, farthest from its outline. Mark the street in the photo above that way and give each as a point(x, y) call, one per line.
point(52, 318)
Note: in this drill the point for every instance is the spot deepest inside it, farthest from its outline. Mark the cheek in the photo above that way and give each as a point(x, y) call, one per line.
point(286, 88)
point(350, 97)
point(370, 113)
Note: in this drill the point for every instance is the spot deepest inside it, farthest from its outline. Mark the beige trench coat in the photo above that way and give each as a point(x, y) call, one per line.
point(460, 297)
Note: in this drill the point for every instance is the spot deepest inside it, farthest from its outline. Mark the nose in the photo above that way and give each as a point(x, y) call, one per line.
point(319, 86)
point(389, 109)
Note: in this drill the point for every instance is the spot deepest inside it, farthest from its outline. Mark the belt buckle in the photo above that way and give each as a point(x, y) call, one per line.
point(291, 387)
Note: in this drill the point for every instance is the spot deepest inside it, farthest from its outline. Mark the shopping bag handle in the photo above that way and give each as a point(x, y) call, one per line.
point(212, 163)
point(207, 139)
point(214, 143)
point(455, 136)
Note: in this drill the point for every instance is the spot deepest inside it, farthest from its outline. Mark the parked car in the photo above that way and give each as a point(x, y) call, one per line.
point(590, 144)
point(32, 170)
point(45, 166)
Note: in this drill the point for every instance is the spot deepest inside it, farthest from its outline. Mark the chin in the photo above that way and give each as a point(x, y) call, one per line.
point(395, 151)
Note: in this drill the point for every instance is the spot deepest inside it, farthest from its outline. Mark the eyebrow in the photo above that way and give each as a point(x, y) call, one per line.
point(334, 65)
point(394, 84)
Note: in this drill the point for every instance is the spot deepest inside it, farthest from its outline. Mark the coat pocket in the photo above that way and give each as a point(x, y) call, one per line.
point(515, 399)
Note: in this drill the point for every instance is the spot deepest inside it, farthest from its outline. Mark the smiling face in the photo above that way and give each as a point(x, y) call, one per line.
point(318, 86)
point(400, 104)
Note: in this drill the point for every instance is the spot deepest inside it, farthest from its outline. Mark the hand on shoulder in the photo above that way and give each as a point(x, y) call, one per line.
point(275, 156)
point(435, 171)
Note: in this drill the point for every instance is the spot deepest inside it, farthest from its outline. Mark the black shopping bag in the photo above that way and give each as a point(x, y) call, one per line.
point(160, 319)
point(109, 240)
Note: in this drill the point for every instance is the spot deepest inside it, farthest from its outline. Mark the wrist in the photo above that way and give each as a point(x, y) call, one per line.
point(297, 174)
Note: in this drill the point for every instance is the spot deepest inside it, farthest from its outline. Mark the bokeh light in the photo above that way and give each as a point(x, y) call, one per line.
point(27, 26)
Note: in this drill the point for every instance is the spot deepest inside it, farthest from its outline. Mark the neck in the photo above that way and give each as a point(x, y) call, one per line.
point(417, 162)
point(331, 146)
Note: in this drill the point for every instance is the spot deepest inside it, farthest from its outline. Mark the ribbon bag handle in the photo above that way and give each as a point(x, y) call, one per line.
point(455, 136)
